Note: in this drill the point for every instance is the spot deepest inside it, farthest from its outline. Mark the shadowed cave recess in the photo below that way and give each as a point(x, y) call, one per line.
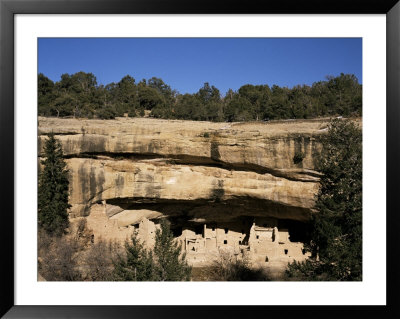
point(236, 214)
point(222, 187)
point(262, 231)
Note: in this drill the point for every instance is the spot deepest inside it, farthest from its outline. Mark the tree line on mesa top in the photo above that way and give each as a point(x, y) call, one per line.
point(79, 95)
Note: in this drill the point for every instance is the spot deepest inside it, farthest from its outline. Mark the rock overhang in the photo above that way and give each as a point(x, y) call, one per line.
point(237, 168)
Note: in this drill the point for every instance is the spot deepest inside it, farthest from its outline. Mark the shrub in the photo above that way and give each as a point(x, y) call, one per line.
point(105, 113)
point(57, 257)
point(74, 257)
point(309, 270)
point(229, 268)
point(98, 261)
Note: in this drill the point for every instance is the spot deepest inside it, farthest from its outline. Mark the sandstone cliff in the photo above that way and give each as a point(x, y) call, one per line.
point(202, 170)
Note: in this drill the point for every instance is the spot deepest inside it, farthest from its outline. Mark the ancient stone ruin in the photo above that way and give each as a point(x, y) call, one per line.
point(224, 187)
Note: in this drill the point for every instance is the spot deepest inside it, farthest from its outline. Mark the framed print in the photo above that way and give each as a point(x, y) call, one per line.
point(219, 181)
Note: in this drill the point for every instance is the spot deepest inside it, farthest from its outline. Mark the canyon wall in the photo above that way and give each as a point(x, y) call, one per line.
point(228, 189)
point(202, 170)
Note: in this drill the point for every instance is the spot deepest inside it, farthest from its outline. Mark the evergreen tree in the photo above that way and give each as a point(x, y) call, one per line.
point(46, 94)
point(79, 95)
point(53, 189)
point(137, 265)
point(165, 263)
point(171, 264)
point(336, 236)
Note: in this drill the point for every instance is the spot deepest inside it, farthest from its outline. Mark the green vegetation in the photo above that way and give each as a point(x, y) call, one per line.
point(53, 189)
point(336, 227)
point(136, 265)
point(79, 95)
point(165, 263)
point(171, 263)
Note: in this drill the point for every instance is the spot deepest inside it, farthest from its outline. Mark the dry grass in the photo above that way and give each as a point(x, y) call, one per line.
point(229, 268)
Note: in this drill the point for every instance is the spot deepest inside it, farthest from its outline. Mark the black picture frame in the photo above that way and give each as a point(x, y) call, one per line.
point(8, 8)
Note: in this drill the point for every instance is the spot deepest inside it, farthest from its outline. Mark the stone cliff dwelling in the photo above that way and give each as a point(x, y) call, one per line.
point(230, 189)
point(262, 241)
point(259, 240)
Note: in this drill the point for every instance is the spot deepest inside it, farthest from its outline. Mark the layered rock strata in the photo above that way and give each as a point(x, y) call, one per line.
point(245, 188)
point(156, 161)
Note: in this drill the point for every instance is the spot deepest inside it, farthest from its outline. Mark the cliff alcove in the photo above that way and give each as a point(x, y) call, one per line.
point(228, 186)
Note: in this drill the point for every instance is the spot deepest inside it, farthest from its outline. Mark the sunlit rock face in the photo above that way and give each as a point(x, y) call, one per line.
point(262, 147)
point(246, 188)
point(198, 192)
point(196, 170)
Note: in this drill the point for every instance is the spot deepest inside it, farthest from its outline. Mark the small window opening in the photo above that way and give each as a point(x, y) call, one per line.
point(226, 230)
point(240, 242)
point(92, 239)
point(257, 237)
point(193, 249)
point(225, 242)
point(286, 251)
point(266, 259)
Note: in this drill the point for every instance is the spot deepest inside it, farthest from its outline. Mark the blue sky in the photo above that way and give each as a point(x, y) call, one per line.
point(187, 63)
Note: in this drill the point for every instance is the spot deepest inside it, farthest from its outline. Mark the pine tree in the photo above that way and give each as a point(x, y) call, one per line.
point(338, 225)
point(53, 189)
point(165, 263)
point(137, 265)
point(336, 236)
point(171, 263)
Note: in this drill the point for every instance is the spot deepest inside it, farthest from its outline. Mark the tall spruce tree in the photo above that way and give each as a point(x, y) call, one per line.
point(53, 189)
point(136, 265)
point(171, 262)
point(336, 236)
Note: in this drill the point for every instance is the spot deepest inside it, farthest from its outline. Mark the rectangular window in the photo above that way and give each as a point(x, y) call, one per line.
point(225, 242)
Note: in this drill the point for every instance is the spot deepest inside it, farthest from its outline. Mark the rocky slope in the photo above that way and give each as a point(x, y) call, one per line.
point(198, 170)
